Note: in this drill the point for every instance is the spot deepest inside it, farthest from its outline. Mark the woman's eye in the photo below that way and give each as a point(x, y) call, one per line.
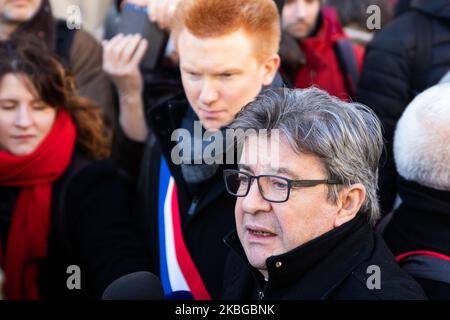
point(7, 106)
point(39, 106)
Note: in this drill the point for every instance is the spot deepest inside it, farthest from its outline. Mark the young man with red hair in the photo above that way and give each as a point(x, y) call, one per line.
point(228, 53)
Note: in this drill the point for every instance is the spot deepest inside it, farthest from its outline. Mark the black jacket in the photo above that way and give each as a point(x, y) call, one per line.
point(333, 266)
point(422, 222)
point(393, 76)
point(91, 227)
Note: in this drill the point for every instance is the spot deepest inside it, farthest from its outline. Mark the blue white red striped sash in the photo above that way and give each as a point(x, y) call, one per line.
point(177, 270)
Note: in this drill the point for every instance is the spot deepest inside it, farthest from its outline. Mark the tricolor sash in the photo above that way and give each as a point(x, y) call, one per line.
point(177, 270)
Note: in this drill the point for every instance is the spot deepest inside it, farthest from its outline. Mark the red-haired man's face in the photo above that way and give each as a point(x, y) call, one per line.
point(222, 74)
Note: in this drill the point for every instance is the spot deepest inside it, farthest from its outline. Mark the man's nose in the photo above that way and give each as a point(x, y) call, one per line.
point(209, 93)
point(254, 202)
point(300, 10)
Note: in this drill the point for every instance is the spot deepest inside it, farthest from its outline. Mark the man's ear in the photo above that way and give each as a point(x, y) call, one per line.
point(350, 201)
point(270, 68)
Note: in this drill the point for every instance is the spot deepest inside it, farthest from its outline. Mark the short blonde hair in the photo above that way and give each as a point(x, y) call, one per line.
point(214, 18)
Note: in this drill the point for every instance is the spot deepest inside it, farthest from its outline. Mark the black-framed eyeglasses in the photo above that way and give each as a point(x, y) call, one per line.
point(272, 188)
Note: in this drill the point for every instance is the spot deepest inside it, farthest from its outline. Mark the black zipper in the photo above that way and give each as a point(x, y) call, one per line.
point(194, 205)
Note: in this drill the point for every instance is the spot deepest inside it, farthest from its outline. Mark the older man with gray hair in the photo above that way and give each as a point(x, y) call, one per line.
point(419, 232)
point(304, 226)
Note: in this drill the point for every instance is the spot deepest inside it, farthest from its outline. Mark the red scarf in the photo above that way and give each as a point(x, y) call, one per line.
point(30, 225)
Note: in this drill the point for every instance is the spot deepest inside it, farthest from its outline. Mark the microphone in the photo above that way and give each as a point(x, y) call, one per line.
point(135, 286)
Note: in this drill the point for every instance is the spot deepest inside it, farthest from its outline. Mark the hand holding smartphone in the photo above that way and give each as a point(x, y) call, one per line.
point(135, 19)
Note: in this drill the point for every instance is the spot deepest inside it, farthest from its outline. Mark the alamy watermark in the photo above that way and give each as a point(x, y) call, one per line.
point(374, 280)
point(374, 21)
point(74, 279)
point(74, 17)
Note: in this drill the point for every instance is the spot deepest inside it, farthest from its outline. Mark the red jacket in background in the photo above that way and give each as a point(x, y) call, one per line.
point(322, 68)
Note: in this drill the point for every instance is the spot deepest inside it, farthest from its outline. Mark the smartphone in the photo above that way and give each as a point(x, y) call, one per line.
point(134, 19)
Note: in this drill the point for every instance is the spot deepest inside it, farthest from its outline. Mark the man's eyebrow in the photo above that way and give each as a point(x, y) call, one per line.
point(244, 167)
point(187, 68)
point(230, 71)
point(286, 171)
point(274, 171)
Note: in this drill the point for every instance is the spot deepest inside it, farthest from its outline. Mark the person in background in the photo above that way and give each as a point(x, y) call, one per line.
point(401, 6)
point(354, 17)
point(324, 56)
point(303, 224)
point(418, 232)
point(62, 203)
point(77, 50)
point(161, 84)
point(409, 55)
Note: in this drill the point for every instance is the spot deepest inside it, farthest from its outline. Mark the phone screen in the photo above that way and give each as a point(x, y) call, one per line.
point(134, 19)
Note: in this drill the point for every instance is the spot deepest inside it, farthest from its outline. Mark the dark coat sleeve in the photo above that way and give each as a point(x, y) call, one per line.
point(385, 86)
point(103, 228)
point(127, 153)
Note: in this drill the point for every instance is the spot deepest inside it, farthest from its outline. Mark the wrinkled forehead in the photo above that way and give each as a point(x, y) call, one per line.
point(263, 150)
point(273, 154)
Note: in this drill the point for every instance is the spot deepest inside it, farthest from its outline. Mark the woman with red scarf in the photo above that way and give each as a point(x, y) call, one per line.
point(60, 204)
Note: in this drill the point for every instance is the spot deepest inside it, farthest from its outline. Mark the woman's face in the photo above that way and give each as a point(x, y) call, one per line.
point(25, 120)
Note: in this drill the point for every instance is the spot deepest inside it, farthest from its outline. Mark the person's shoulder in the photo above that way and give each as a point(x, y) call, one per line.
point(85, 49)
point(397, 35)
point(84, 39)
point(380, 277)
point(168, 113)
point(86, 176)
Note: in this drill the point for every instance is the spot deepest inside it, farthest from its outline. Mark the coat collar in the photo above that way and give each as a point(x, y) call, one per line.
point(422, 220)
point(319, 265)
point(424, 199)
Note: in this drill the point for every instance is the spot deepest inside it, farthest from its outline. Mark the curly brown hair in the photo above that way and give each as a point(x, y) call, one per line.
point(31, 57)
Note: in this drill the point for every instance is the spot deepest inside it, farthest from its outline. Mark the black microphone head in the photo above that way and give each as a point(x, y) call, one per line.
point(135, 286)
